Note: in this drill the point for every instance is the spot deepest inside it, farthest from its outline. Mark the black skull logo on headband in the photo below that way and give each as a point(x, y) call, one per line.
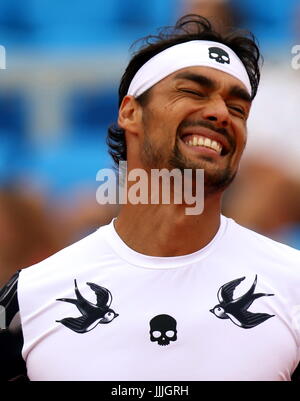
point(219, 55)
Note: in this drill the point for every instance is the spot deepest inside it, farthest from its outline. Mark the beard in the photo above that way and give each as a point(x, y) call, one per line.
point(215, 180)
point(152, 158)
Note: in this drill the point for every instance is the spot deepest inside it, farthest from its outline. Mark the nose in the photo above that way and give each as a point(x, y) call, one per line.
point(216, 110)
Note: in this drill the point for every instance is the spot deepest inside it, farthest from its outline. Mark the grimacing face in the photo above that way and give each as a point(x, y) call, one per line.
point(185, 108)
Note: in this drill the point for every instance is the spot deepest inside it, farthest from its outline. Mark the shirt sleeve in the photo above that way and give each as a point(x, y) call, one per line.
point(12, 365)
point(296, 374)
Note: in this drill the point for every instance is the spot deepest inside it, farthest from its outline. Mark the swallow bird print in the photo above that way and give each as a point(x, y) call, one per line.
point(91, 314)
point(237, 309)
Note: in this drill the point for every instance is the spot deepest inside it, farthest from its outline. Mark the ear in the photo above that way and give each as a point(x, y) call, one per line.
point(130, 115)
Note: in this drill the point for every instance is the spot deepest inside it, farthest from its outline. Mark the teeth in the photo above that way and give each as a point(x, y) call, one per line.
point(207, 142)
point(202, 141)
point(215, 146)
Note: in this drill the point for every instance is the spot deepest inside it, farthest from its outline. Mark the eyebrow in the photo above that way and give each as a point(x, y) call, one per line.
point(199, 79)
point(240, 93)
point(235, 91)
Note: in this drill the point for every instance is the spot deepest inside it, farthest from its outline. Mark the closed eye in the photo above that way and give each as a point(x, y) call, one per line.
point(193, 92)
point(238, 109)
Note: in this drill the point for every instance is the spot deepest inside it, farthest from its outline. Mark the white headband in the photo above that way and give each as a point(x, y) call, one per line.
point(188, 54)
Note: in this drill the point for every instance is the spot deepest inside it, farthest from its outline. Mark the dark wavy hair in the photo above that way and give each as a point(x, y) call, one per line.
point(187, 28)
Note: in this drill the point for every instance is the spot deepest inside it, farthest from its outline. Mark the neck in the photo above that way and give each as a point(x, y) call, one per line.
point(165, 230)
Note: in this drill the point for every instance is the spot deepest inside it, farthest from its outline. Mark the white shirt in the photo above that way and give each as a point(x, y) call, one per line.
point(185, 288)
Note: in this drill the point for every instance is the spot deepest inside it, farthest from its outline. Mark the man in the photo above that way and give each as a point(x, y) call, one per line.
point(160, 294)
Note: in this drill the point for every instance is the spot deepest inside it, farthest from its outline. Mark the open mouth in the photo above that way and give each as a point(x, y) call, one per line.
point(197, 141)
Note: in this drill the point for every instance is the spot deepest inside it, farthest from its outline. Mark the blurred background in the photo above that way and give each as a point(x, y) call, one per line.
point(58, 95)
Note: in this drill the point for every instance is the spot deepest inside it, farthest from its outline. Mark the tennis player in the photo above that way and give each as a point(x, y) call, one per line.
point(163, 292)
